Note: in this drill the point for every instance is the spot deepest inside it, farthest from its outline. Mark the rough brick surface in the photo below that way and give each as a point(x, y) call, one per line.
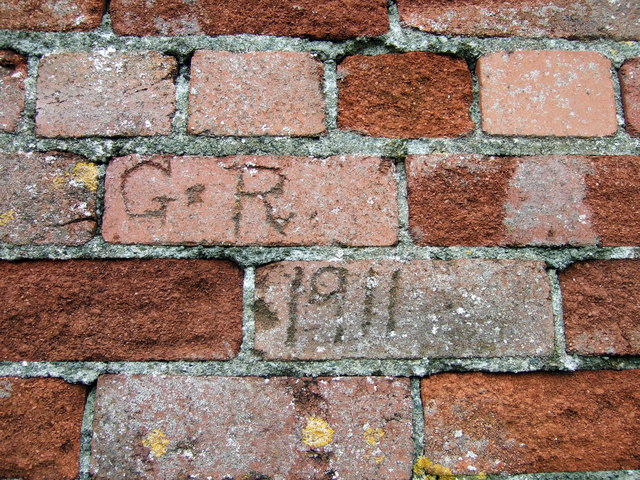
point(547, 93)
point(253, 428)
point(257, 93)
point(630, 85)
point(251, 200)
point(47, 198)
point(583, 19)
point(538, 422)
point(104, 93)
point(388, 309)
point(13, 71)
point(406, 95)
point(120, 310)
point(601, 305)
point(51, 15)
point(40, 421)
point(329, 19)
point(556, 200)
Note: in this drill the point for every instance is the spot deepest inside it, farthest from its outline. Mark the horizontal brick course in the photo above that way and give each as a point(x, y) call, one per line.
point(120, 310)
point(251, 200)
point(533, 422)
point(630, 85)
point(389, 309)
point(13, 71)
point(51, 15)
point(253, 428)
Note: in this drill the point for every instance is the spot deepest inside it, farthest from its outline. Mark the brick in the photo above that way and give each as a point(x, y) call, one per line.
point(326, 20)
point(555, 200)
point(630, 85)
point(547, 93)
point(257, 93)
point(40, 421)
point(391, 309)
point(51, 15)
point(251, 201)
point(582, 19)
point(533, 422)
point(13, 71)
point(407, 95)
point(120, 310)
point(47, 198)
point(601, 304)
point(349, 428)
point(103, 93)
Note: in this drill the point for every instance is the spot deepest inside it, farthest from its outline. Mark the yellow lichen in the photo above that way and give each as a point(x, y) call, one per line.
point(157, 442)
point(482, 476)
point(317, 433)
point(7, 217)
point(379, 459)
point(373, 436)
point(86, 174)
point(428, 470)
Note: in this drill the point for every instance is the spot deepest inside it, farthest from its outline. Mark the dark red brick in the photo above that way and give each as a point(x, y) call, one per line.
point(120, 310)
point(533, 422)
point(407, 95)
point(13, 71)
point(630, 85)
point(51, 15)
point(40, 421)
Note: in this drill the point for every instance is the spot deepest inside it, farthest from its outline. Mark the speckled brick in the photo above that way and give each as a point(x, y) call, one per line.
point(601, 305)
point(255, 94)
point(408, 95)
point(583, 19)
point(327, 20)
point(105, 93)
point(47, 198)
point(13, 71)
point(532, 422)
point(51, 15)
point(630, 85)
point(251, 201)
point(120, 310)
point(252, 428)
point(547, 93)
point(391, 309)
point(40, 421)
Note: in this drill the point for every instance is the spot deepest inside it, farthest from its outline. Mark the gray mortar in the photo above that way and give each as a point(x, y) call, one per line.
point(418, 419)
point(86, 435)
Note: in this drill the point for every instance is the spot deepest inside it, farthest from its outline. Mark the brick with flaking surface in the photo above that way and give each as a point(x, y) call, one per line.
point(51, 15)
point(630, 85)
point(13, 71)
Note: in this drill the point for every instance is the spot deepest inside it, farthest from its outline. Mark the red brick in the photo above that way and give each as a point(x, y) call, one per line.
point(120, 310)
point(582, 19)
point(257, 93)
point(547, 93)
point(630, 84)
point(533, 422)
point(601, 301)
point(51, 15)
point(407, 95)
point(251, 201)
point(40, 421)
point(105, 93)
point(252, 428)
point(391, 309)
point(327, 20)
point(47, 198)
point(13, 71)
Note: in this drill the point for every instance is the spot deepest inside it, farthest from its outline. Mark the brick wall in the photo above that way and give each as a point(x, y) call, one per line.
point(347, 239)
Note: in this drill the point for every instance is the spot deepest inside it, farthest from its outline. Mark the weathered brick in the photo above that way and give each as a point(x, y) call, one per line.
point(601, 303)
point(105, 93)
point(13, 71)
point(251, 200)
point(554, 200)
point(582, 19)
point(120, 310)
point(391, 309)
point(408, 95)
point(328, 20)
point(532, 422)
point(234, 428)
point(40, 421)
point(51, 15)
point(630, 85)
point(257, 93)
point(47, 198)
point(547, 93)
